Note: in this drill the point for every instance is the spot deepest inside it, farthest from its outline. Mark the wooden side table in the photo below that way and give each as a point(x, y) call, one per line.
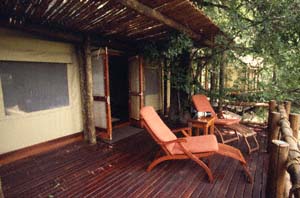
point(203, 123)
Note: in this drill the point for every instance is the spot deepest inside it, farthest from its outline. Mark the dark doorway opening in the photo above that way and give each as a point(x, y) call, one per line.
point(118, 78)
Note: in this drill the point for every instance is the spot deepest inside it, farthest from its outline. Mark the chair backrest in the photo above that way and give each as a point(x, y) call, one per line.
point(156, 127)
point(202, 104)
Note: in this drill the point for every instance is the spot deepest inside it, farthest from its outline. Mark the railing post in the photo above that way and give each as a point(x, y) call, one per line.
point(295, 123)
point(287, 106)
point(272, 107)
point(277, 169)
point(1, 192)
point(273, 133)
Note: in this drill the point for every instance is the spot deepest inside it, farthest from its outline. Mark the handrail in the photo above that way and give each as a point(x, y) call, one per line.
point(293, 162)
point(284, 152)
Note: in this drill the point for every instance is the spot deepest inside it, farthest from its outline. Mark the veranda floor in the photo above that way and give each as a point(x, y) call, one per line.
point(82, 170)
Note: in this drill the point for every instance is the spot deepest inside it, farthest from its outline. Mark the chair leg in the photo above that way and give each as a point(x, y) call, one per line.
point(228, 140)
point(251, 149)
point(234, 153)
point(205, 167)
point(157, 161)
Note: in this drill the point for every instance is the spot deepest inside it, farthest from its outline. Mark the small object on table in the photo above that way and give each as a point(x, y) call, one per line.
point(203, 123)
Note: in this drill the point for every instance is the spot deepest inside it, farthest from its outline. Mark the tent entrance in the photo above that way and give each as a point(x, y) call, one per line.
point(119, 88)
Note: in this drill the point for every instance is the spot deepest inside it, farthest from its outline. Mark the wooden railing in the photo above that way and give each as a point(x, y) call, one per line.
point(283, 129)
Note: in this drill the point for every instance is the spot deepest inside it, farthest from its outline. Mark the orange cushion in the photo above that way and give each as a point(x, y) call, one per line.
point(226, 121)
point(197, 144)
point(202, 104)
point(157, 126)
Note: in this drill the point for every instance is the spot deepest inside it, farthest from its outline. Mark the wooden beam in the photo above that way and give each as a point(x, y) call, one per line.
point(153, 14)
point(44, 32)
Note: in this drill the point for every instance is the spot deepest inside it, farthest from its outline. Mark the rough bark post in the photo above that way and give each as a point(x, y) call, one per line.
point(82, 74)
point(287, 106)
point(272, 107)
point(206, 78)
point(1, 191)
point(89, 92)
point(277, 169)
point(221, 82)
point(295, 123)
point(293, 164)
point(274, 129)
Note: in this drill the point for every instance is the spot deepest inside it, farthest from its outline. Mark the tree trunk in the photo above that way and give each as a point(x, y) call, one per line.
point(89, 92)
point(221, 82)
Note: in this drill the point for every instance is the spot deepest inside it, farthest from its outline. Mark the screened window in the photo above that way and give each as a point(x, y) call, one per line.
point(29, 86)
point(152, 81)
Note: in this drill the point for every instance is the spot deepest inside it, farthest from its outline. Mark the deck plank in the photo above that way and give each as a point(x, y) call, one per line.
point(102, 170)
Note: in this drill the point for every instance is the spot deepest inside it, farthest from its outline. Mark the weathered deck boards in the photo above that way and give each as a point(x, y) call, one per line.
point(81, 170)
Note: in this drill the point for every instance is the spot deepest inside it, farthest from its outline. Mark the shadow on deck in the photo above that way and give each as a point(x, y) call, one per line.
point(81, 170)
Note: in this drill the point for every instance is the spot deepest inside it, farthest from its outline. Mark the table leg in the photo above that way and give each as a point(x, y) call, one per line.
point(197, 131)
point(212, 129)
point(206, 130)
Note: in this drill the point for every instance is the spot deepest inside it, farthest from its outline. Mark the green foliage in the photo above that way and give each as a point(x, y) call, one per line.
point(174, 52)
point(267, 29)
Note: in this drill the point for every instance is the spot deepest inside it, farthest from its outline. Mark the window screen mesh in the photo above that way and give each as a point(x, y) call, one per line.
point(29, 87)
point(152, 81)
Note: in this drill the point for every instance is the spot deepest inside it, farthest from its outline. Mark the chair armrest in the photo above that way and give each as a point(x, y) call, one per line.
point(178, 140)
point(186, 131)
point(221, 115)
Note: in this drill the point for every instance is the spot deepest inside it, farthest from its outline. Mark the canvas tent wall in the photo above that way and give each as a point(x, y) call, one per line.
point(19, 130)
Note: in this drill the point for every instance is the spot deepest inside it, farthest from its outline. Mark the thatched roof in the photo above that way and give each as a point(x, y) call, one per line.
point(130, 21)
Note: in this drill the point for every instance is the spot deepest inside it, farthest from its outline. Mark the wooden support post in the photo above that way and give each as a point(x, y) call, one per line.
point(82, 75)
point(1, 191)
point(273, 134)
point(287, 106)
point(295, 123)
point(89, 92)
point(206, 78)
point(293, 164)
point(277, 169)
point(272, 107)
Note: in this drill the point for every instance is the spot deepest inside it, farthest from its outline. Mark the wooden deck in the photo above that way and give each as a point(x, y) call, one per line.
point(81, 170)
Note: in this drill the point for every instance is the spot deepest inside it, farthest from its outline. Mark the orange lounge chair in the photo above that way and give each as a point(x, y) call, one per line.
point(188, 147)
point(223, 125)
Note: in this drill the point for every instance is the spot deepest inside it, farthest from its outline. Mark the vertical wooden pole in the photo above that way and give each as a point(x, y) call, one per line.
point(107, 93)
point(1, 191)
point(80, 56)
point(277, 169)
point(295, 123)
point(141, 79)
point(273, 134)
point(206, 77)
point(221, 82)
point(287, 106)
point(89, 92)
point(272, 107)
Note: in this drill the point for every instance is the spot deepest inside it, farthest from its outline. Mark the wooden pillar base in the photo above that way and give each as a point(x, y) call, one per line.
point(277, 169)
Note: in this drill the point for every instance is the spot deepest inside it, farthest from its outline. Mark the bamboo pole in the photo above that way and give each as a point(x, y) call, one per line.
point(277, 169)
point(295, 123)
point(273, 134)
point(89, 92)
